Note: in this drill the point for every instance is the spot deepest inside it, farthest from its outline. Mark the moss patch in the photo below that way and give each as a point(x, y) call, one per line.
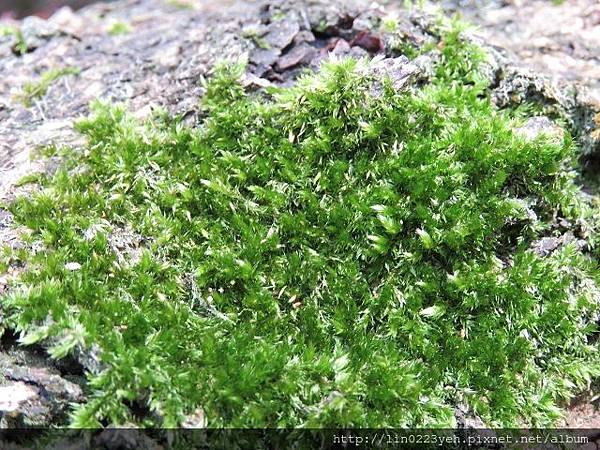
point(37, 89)
point(19, 46)
point(327, 255)
point(118, 28)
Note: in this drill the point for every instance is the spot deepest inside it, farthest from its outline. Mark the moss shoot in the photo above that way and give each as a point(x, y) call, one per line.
point(118, 28)
point(318, 256)
point(37, 89)
point(19, 45)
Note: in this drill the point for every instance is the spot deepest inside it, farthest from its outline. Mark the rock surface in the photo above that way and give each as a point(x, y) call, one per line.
point(34, 391)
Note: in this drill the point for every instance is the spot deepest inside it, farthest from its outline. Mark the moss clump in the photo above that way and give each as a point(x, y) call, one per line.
point(37, 89)
point(181, 4)
point(322, 256)
point(118, 28)
point(19, 46)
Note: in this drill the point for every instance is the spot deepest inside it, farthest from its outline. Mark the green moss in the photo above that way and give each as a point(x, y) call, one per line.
point(37, 89)
point(389, 24)
point(6, 30)
point(252, 33)
point(317, 257)
point(118, 28)
point(460, 60)
point(410, 4)
point(181, 4)
point(278, 15)
point(19, 46)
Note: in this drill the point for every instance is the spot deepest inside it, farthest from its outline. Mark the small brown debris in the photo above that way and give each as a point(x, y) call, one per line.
point(369, 41)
